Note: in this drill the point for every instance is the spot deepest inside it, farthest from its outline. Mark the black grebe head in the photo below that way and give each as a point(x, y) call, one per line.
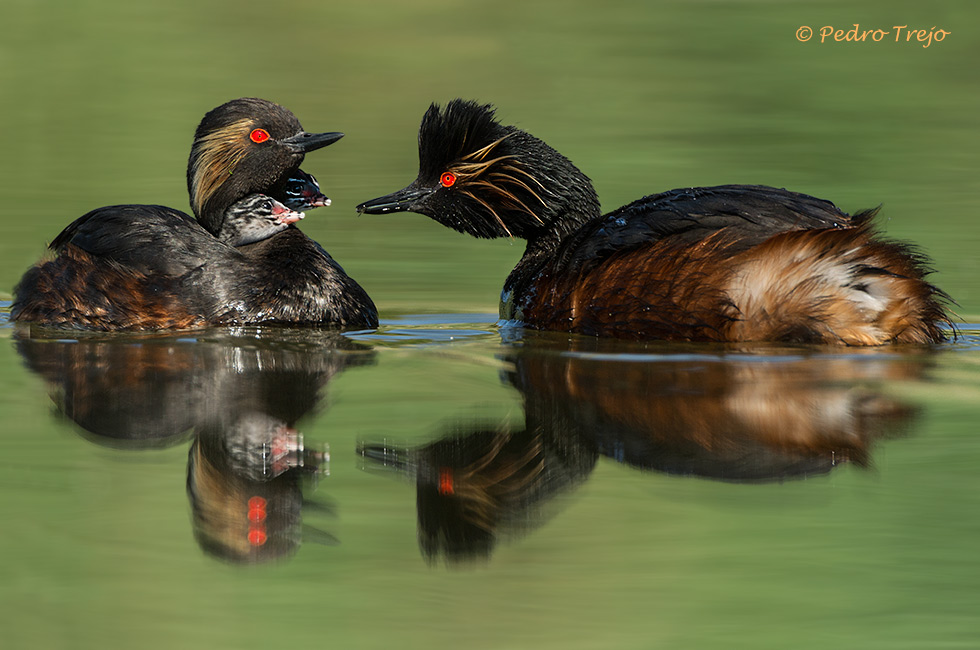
point(254, 218)
point(242, 147)
point(489, 180)
point(302, 192)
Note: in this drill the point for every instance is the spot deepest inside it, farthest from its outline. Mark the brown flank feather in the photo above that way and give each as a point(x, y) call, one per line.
point(75, 289)
point(812, 286)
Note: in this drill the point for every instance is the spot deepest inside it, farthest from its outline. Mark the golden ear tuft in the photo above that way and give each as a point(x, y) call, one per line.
point(493, 176)
point(218, 153)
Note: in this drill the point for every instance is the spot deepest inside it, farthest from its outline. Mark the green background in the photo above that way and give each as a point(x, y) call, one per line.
point(99, 100)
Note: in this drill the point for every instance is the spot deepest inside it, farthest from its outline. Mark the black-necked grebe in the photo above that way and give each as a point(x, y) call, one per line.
point(112, 282)
point(151, 267)
point(727, 263)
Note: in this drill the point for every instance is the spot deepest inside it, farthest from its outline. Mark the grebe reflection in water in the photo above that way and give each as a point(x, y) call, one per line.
point(740, 418)
point(236, 394)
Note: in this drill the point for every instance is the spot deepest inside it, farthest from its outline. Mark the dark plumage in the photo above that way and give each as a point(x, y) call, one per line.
point(152, 267)
point(727, 263)
point(103, 277)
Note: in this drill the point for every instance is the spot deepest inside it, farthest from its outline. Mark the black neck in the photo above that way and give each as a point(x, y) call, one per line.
point(543, 245)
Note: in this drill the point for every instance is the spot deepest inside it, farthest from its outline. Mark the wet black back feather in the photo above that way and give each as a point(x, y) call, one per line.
point(151, 239)
point(754, 212)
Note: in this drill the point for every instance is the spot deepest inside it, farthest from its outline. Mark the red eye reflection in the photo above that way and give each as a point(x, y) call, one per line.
point(258, 135)
point(256, 508)
point(447, 179)
point(446, 484)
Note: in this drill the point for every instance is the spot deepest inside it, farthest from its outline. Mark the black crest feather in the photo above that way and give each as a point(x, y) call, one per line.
point(448, 135)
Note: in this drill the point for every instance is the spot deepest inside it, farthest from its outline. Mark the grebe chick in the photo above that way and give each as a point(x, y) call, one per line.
point(254, 218)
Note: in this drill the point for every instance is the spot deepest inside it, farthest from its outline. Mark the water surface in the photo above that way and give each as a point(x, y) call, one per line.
point(457, 481)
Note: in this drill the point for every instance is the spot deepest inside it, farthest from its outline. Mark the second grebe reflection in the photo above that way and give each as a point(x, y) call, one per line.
point(245, 484)
point(237, 393)
point(477, 484)
point(742, 416)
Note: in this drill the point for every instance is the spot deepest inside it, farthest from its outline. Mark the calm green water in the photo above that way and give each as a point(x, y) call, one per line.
point(487, 489)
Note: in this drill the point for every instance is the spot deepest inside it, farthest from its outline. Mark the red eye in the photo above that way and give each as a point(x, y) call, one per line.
point(258, 135)
point(447, 179)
